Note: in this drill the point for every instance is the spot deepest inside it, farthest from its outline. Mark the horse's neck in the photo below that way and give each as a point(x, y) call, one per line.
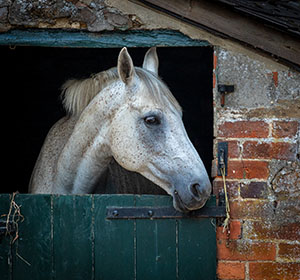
point(85, 156)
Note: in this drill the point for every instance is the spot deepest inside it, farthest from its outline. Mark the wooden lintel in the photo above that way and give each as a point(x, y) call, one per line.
point(83, 39)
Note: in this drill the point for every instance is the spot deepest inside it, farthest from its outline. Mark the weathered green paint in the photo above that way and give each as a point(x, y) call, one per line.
point(60, 38)
point(69, 237)
point(156, 243)
point(5, 249)
point(34, 245)
point(114, 242)
point(197, 248)
point(72, 237)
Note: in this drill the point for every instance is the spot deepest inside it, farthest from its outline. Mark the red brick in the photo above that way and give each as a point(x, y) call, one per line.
point(251, 209)
point(274, 271)
point(285, 151)
point(257, 150)
point(289, 252)
point(275, 78)
point(254, 190)
point(232, 188)
point(233, 149)
point(234, 232)
point(215, 61)
point(241, 250)
point(263, 150)
point(246, 169)
point(231, 270)
point(215, 67)
point(283, 129)
point(214, 80)
point(261, 231)
point(242, 129)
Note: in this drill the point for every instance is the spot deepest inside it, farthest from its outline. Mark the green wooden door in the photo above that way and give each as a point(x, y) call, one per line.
point(69, 237)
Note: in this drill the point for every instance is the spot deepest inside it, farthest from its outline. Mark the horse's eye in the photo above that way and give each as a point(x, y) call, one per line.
point(152, 120)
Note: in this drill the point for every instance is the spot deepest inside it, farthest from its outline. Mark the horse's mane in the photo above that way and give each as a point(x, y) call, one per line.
point(77, 94)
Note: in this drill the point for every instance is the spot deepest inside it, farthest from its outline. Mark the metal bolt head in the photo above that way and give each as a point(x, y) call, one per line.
point(115, 213)
point(150, 213)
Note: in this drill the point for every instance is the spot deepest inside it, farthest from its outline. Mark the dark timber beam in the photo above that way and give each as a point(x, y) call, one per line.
point(217, 19)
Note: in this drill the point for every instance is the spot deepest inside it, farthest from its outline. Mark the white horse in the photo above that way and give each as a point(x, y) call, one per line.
point(129, 114)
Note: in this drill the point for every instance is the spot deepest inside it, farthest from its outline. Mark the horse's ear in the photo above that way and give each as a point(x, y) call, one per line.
point(151, 61)
point(125, 67)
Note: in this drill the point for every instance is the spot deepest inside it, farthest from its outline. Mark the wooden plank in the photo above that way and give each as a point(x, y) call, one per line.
point(197, 248)
point(156, 242)
point(59, 38)
point(33, 248)
point(215, 18)
point(88, 246)
point(114, 240)
point(72, 237)
point(5, 252)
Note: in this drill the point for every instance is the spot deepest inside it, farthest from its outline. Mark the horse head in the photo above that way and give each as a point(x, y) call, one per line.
point(147, 135)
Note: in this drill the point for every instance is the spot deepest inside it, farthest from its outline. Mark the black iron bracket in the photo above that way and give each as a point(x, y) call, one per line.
point(163, 213)
point(223, 90)
point(222, 157)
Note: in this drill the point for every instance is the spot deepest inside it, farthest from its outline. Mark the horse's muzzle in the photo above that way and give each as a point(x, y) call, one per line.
point(191, 198)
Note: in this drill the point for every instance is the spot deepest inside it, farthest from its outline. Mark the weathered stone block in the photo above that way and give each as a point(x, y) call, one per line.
point(94, 15)
point(3, 15)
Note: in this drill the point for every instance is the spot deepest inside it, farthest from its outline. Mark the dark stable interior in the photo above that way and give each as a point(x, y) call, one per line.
point(31, 80)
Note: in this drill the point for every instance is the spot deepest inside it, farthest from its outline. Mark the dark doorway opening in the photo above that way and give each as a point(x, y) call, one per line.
point(31, 81)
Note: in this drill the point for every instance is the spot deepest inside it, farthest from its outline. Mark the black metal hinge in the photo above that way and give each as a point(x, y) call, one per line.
point(163, 213)
point(222, 158)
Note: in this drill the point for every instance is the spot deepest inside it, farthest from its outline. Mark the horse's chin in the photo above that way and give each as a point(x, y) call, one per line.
point(180, 206)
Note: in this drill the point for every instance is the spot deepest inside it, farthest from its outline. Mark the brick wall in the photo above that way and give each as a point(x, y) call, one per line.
point(260, 122)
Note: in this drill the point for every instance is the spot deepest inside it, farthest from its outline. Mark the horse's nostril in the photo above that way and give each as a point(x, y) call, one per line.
point(196, 190)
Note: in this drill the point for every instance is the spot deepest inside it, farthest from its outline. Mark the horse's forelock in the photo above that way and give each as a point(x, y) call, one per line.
point(77, 94)
point(158, 89)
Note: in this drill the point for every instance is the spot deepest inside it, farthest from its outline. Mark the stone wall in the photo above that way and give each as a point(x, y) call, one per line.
point(91, 15)
point(260, 121)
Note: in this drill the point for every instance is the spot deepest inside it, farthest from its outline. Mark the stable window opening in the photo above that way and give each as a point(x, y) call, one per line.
point(32, 79)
